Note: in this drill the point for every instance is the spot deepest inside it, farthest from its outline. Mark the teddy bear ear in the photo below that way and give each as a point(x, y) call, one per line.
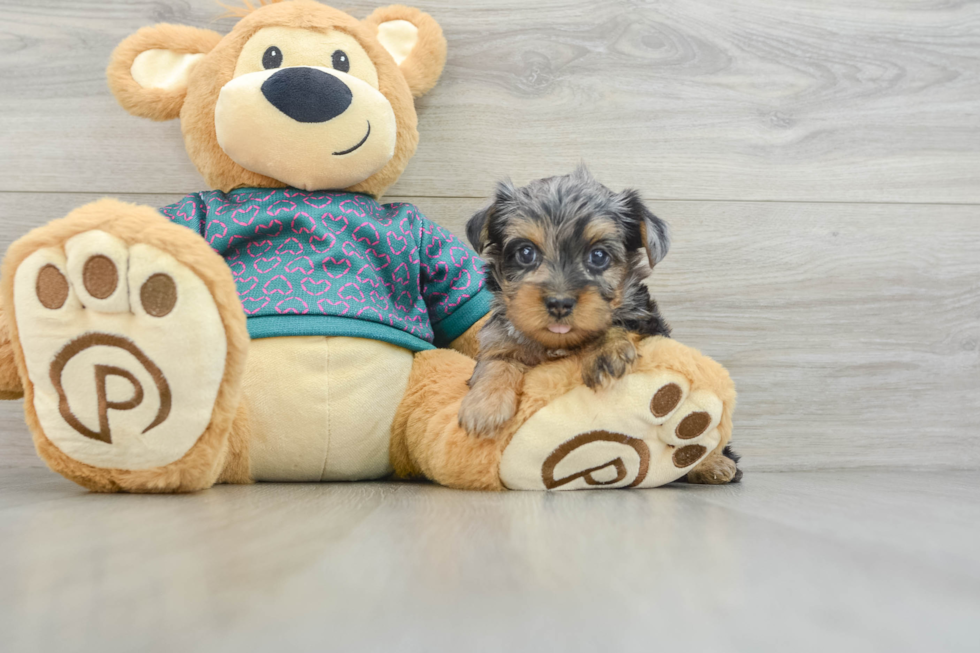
point(414, 40)
point(148, 71)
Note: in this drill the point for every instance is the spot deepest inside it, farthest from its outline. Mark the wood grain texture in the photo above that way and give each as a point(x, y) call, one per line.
point(829, 100)
point(796, 561)
point(819, 162)
point(852, 331)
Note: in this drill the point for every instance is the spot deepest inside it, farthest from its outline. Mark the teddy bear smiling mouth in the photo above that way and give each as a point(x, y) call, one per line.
point(362, 142)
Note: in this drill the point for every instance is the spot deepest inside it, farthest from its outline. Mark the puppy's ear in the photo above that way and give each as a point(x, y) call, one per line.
point(148, 71)
point(414, 40)
point(644, 229)
point(478, 227)
point(583, 175)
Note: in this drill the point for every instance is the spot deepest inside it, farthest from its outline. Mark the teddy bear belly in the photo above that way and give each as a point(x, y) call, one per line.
point(321, 408)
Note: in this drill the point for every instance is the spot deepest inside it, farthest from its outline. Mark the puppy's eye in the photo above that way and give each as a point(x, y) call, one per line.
point(526, 255)
point(340, 61)
point(599, 258)
point(272, 58)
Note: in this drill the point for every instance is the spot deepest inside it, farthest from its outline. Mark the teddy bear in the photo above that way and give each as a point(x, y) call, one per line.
point(285, 325)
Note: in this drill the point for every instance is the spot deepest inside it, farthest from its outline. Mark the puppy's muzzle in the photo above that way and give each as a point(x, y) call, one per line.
point(559, 307)
point(307, 94)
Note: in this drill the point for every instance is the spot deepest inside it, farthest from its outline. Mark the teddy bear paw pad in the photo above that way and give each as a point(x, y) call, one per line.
point(125, 349)
point(648, 429)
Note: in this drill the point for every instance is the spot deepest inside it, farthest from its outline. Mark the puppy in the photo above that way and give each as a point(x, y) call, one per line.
point(563, 258)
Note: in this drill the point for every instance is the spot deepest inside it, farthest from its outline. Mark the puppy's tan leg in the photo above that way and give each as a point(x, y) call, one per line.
point(610, 359)
point(492, 399)
point(716, 469)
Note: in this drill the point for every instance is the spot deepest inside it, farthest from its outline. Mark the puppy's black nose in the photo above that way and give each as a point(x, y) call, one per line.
point(559, 306)
point(307, 94)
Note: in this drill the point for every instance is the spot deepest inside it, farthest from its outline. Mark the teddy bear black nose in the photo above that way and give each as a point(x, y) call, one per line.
point(307, 94)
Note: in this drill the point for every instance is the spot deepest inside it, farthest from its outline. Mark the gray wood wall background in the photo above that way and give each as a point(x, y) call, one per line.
point(818, 160)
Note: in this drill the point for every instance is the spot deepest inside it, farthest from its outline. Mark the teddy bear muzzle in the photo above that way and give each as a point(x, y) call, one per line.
point(309, 127)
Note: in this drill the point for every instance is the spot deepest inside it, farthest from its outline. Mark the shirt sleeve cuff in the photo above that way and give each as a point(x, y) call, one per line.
point(466, 315)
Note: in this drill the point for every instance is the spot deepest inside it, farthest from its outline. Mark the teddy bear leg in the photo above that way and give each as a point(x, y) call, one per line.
point(669, 417)
point(129, 341)
point(236, 468)
point(427, 440)
point(10, 386)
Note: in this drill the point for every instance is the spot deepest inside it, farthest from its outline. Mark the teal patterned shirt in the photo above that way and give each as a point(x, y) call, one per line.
point(340, 264)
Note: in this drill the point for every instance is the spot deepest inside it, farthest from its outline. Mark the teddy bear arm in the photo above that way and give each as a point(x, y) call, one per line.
point(451, 286)
point(191, 212)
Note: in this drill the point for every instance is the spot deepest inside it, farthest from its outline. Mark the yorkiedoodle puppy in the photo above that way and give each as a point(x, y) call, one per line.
point(565, 259)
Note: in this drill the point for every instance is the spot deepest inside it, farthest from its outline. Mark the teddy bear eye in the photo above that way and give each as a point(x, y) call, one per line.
point(272, 58)
point(340, 61)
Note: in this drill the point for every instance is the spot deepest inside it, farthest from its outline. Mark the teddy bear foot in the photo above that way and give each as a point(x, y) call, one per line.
point(648, 429)
point(126, 354)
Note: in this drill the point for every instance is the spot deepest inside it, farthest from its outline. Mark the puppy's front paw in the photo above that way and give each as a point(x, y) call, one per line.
point(608, 363)
point(484, 411)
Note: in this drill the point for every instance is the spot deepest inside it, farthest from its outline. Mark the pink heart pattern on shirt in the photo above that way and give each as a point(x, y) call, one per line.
point(294, 252)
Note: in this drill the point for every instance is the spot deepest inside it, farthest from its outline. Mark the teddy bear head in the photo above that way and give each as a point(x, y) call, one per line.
point(297, 94)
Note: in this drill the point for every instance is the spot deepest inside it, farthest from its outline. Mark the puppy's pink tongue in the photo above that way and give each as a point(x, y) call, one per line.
point(559, 328)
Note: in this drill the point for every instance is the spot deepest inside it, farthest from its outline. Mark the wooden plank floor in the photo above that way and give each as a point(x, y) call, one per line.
point(797, 561)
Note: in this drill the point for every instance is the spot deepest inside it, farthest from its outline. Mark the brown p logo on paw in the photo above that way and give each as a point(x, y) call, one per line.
point(125, 349)
point(589, 474)
point(646, 430)
point(102, 372)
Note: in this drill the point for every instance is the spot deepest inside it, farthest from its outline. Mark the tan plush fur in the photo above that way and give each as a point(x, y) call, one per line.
point(236, 467)
point(428, 441)
point(201, 466)
point(424, 65)
point(218, 65)
point(153, 103)
point(10, 385)
point(421, 69)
